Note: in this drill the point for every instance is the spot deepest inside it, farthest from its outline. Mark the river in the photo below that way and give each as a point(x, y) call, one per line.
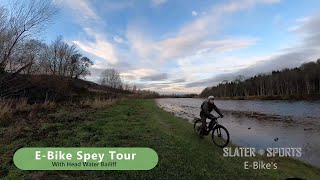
point(262, 124)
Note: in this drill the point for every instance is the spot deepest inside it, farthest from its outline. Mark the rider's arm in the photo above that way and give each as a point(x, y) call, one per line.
point(217, 110)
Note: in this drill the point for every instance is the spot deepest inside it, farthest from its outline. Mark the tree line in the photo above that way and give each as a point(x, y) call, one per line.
point(111, 78)
point(299, 81)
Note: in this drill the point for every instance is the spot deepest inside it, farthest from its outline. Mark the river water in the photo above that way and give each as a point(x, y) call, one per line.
point(262, 124)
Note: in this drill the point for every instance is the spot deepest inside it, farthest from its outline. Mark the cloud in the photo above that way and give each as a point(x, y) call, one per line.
point(84, 12)
point(276, 62)
point(239, 5)
point(98, 47)
point(92, 41)
point(179, 80)
point(118, 39)
point(155, 77)
point(307, 50)
point(168, 88)
point(198, 35)
point(184, 47)
point(194, 13)
point(95, 74)
point(303, 19)
point(140, 44)
point(158, 2)
point(137, 73)
point(307, 24)
point(201, 83)
point(309, 29)
point(112, 6)
point(196, 49)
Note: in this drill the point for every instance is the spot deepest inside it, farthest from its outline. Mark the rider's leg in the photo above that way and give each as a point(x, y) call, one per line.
point(204, 123)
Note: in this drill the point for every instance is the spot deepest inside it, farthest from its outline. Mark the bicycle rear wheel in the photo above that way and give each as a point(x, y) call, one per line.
point(220, 136)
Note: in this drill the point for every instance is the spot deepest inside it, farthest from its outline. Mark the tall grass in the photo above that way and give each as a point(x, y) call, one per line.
point(21, 105)
point(48, 104)
point(10, 107)
point(5, 112)
point(98, 103)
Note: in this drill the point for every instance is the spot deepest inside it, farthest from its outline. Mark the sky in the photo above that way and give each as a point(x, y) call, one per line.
point(183, 46)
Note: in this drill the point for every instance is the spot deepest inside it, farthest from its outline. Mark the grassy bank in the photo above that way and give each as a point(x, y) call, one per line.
point(134, 123)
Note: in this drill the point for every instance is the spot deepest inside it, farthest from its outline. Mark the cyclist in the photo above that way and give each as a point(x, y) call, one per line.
point(206, 107)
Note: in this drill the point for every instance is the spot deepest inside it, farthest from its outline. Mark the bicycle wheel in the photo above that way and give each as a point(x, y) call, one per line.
point(220, 136)
point(197, 126)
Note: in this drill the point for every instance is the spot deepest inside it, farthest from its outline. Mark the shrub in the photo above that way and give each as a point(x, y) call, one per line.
point(5, 112)
point(48, 105)
point(22, 105)
point(97, 103)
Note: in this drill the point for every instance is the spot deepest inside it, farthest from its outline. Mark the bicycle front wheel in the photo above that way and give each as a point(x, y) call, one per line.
point(220, 136)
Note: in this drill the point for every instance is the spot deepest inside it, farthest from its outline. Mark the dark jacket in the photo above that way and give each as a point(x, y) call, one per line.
point(207, 107)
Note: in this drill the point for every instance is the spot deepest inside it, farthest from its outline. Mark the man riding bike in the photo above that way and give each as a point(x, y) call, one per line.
point(206, 107)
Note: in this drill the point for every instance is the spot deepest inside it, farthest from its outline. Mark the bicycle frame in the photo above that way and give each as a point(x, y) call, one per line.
point(213, 123)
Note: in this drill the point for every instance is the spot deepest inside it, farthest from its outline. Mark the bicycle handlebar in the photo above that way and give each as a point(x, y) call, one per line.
point(216, 117)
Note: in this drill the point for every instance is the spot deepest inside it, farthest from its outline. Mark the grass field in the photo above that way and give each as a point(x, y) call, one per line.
point(136, 123)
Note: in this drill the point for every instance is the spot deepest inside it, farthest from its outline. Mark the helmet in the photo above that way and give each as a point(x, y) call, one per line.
point(211, 97)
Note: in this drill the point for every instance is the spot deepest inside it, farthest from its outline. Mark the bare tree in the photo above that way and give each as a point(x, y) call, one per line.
point(134, 89)
point(83, 64)
point(52, 55)
point(126, 87)
point(21, 21)
point(111, 78)
point(62, 58)
point(28, 57)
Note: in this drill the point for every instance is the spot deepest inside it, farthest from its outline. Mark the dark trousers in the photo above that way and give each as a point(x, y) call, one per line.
point(203, 121)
